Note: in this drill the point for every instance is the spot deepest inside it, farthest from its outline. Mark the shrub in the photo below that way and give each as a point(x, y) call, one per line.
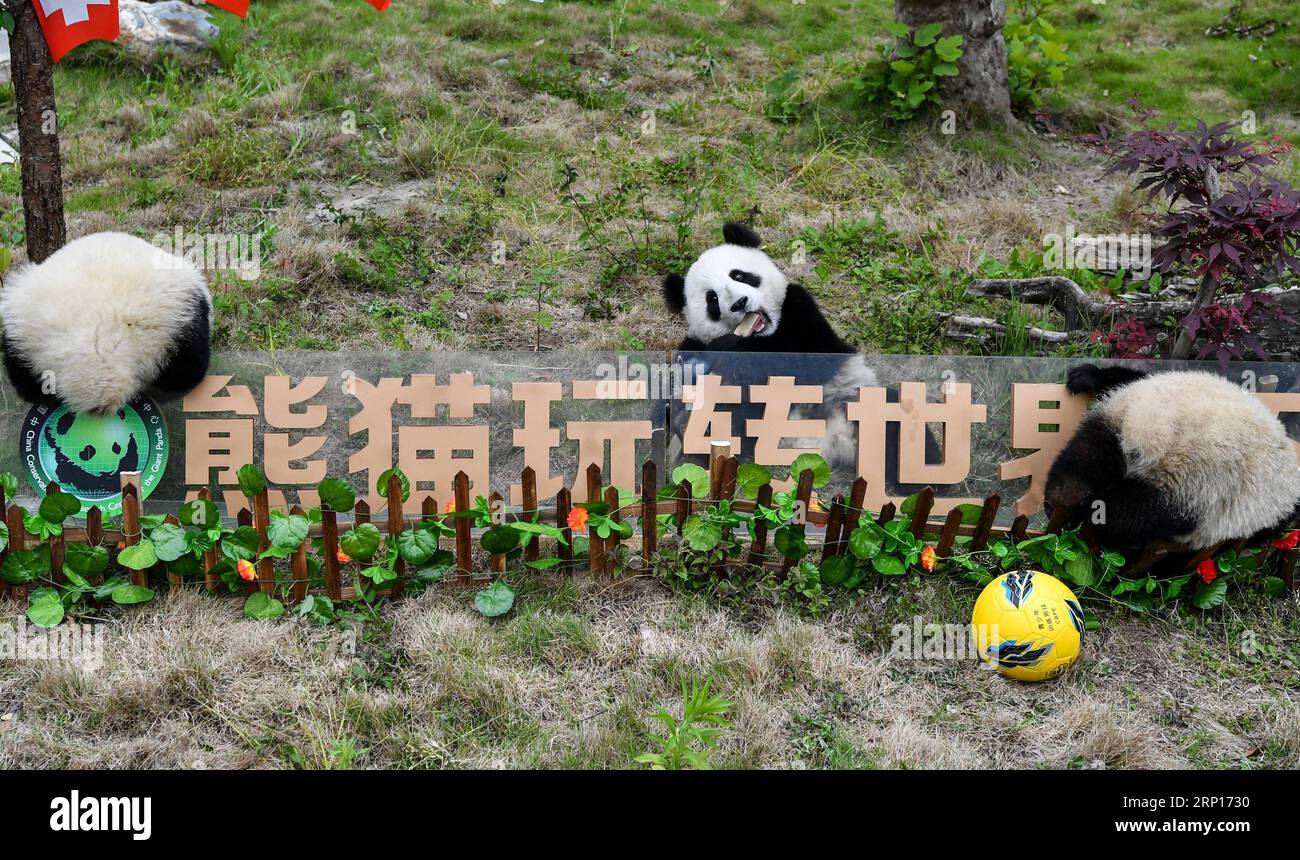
point(905, 77)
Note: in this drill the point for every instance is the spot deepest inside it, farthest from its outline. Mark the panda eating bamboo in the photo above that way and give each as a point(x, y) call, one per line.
point(736, 300)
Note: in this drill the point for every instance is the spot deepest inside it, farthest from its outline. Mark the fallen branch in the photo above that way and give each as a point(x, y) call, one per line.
point(963, 327)
point(1081, 310)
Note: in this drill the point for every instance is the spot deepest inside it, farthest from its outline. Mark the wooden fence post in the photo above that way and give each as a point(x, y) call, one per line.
point(758, 547)
point(464, 549)
point(244, 519)
point(261, 519)
point(17, 543)
point(949, 534)
point(130, 483)
point(831, 543)
point(56, 545)
point(596, 554)
point(175, 582)
point(95, 535)
point(395, 524)
point(329, 527)
point(299, 562)
point(564, 504)
point(988, 513)
point(648, 520)
point(211, 557)
point(683, 504)
point(803, 493)
point(921, 515)
point(496, 503)
point(528, 482)
point(611, 545)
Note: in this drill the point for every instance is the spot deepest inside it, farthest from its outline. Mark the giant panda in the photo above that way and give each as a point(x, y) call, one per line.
point(102, 320)
point(736, 278)
point(1182, 456)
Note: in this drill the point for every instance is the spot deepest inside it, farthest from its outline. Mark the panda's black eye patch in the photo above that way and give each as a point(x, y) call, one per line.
point(715, 310)
point(745, 277)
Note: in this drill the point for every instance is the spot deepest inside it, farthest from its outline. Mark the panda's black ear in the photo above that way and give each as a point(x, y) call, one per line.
point(675, 293)
point(736, 233)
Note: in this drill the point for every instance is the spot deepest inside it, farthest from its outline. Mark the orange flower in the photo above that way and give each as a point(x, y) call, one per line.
point(1208, 571)
point(247, 572)
point(578, 520)
point(928, 558)
point(342, 556)
point(1289, 541)
point(450, 507)
point(121, 545)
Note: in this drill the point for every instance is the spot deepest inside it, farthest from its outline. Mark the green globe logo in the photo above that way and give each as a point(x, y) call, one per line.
point(86, 454)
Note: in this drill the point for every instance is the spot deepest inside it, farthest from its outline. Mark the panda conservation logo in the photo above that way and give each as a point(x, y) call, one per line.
point(86, 454)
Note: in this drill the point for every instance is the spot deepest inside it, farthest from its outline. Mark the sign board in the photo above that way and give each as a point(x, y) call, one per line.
point(968, 426)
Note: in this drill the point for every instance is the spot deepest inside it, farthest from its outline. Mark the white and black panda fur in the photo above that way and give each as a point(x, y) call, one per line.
point(102, 320)
point(1183, 456)
point(736, 278)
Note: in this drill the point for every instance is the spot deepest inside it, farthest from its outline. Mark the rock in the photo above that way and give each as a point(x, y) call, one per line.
point(169, 27)
point(358, 200)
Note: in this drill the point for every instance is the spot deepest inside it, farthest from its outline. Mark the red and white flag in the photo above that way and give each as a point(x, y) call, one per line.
point(68, 23)
point(234, 7)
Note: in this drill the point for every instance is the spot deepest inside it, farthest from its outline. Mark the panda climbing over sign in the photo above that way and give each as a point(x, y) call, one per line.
point(104, 319)
point(1182, 456)
point(735, 299)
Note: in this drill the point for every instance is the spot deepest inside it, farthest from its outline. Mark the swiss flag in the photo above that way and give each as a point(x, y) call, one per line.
point(68, 23)
point(234, 7)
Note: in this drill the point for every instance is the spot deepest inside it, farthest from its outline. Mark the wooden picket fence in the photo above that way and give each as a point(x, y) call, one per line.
point(836, 523)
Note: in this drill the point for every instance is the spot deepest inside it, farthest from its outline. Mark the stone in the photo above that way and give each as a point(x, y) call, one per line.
point(169, 27)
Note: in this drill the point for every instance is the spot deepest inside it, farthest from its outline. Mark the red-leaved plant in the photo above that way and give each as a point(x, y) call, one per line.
point(1247, 234)
point(1128, 339)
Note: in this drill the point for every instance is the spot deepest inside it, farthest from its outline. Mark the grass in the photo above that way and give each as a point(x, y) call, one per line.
point(571, 677)
point(610, 140)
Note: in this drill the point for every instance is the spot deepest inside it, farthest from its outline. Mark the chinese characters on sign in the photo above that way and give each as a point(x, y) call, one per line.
point(435, 425)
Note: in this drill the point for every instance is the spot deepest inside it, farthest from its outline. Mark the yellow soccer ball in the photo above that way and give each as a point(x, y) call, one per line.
point(1028, 625)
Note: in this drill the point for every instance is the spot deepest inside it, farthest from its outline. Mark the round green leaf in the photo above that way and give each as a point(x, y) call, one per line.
point(750, 477)
point(127, 595)
point(186, 565)
point(263, 606)
point(169, 542)
point(416, 546)
point(241, 544)
point(201, 513)
point(836, 570)
point(888, 565)
point(57, 507)
point(700, 533)
point(138, 557)
point(316, 608)
point(45, 607)
point(4, 536)
point(817, 464)
point(337, 495)
point(500, 539)
point(9, 482)
point(381, 486)
point(791, 543)
point(251, 480)
point(865, 542)
point(288, 532)
point(361, 541)
point(698, 477)
point(495, 600)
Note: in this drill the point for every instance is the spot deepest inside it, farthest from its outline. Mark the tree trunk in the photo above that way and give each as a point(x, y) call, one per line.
point(38, 133)
point(980, 88)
